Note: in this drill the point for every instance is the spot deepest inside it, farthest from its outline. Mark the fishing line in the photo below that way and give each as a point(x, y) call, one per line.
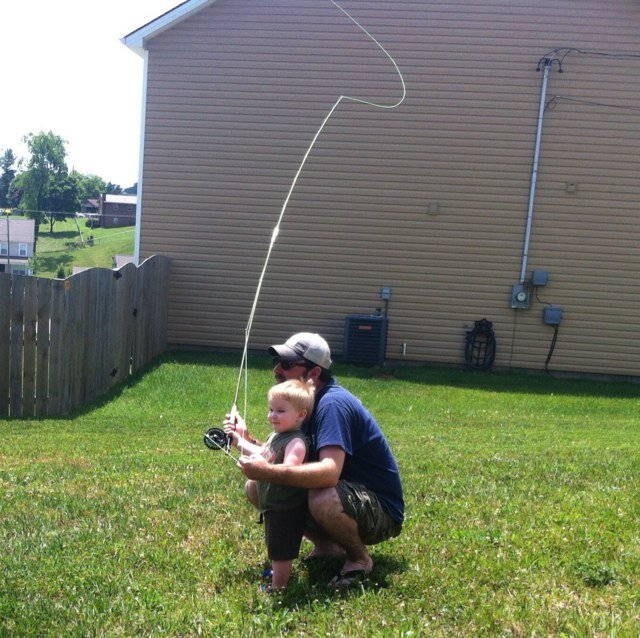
point(276, 230)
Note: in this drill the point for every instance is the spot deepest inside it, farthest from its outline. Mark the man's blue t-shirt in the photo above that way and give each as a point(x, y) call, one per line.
point(340, 419)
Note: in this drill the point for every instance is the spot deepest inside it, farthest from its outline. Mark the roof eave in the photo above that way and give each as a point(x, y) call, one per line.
point(138, 40)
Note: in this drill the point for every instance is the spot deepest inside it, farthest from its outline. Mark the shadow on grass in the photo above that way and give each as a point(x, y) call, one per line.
point(62, 234)
point(111, 395)
point(512, 381)
point(310, 583)
point(313, 586)
point(518, 382)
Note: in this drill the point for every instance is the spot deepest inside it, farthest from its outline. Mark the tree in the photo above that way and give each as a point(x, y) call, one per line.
point(6, 177)
point(132, 190)
point(90, 186)
point(16, 188)
point(46, 164)
point(113, 189)
point(61, 195)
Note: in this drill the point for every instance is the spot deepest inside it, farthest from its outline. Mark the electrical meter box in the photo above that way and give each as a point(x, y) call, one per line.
point(520, 296)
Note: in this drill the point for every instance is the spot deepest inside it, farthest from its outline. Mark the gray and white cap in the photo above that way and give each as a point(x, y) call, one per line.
point(309, 345)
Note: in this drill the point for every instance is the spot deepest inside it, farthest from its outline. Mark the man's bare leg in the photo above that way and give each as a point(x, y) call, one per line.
point(326, 508)
point(251, 489)
point(322, 545)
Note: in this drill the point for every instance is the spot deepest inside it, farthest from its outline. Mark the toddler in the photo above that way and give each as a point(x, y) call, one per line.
point(283, 508)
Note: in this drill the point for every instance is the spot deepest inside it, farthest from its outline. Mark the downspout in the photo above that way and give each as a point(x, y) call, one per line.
point(534, 174)
point(143, 121)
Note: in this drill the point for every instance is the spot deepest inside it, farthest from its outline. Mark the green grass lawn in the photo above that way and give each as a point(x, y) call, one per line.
point(522, 512)
point(64, 248)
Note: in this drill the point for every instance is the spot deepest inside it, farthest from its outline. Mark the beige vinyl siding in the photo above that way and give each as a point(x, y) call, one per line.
point(236, 93)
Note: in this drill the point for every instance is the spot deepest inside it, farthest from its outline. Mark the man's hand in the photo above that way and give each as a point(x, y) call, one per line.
point(254, 467)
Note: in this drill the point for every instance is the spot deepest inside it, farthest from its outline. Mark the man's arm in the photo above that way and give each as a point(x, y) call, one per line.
point(316, 475)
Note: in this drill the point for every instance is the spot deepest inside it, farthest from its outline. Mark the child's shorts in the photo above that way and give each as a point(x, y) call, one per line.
point(283, 532)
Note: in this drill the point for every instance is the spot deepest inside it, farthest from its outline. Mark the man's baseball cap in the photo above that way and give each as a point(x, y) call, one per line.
point(307, 345)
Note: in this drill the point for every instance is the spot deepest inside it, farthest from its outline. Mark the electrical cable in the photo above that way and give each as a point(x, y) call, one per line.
point(551, 349)
point(555, 333)
point(276, 230)
point(513, 336)
point(560, 53)
point(551, 104)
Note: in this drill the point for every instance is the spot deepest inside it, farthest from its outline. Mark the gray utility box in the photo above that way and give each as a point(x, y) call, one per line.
point(365, 339)
point(552, 315)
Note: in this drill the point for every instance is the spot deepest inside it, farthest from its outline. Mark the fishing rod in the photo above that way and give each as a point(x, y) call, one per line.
point(243, 371)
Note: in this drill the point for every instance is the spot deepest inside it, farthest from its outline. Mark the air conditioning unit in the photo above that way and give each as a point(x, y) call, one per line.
point(365, 339)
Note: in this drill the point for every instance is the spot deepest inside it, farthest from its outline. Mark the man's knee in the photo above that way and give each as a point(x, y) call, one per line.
point(324, 502)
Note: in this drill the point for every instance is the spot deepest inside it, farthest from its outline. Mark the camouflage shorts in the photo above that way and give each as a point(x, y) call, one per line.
point(362, 505)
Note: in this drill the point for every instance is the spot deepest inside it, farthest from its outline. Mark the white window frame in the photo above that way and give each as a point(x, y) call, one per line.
point(4, 248)
point(23, 249)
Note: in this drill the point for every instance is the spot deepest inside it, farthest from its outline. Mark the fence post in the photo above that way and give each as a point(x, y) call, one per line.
point(42, 345)
point(29, 346)
point(56, 376)
point(16, 345)
point(5, 331)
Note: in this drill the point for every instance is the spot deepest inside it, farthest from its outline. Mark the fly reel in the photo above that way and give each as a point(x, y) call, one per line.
point(217, 439)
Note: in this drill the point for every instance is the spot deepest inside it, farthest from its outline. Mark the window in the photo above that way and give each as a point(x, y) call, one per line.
point(4, 248)
point(22, 250)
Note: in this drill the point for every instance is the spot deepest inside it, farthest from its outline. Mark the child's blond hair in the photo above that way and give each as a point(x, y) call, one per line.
point(301, 394)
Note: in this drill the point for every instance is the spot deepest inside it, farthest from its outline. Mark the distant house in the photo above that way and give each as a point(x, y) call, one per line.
point(17, 245)
point(90, 206)
point(117, 210)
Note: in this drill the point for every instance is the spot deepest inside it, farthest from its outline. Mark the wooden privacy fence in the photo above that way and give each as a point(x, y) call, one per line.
point(64, 342)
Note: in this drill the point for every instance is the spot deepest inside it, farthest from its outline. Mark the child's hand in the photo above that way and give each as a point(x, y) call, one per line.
point(233, 435)
point(235, 423)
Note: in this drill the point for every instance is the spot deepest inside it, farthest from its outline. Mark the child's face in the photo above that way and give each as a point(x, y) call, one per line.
point(283, 416)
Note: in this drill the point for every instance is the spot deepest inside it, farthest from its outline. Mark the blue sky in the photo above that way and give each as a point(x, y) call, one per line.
point(62, 62)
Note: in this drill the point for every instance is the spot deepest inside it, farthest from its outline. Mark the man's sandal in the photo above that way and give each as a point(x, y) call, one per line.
point(345, 579)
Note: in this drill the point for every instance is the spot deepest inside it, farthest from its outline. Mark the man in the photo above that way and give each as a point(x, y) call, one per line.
point(355, 492)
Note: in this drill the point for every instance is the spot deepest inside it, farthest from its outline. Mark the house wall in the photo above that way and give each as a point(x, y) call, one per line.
point(13, 248)
point(114, 215)
point(15, 254)
point(429, 199)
